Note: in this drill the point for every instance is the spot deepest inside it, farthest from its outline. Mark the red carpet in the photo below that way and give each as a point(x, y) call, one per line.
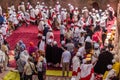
point(27, 34)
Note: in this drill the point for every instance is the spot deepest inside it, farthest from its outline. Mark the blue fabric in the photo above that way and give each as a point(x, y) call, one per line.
point(1, 19)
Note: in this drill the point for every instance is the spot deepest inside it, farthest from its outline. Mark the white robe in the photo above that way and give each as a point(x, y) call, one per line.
point(42, 45)
point(57, 7)
point(32, 15)
point(36, 12)
point(41, 26)
point(27, 17)
point(49, 34)
point(76, 65)
point(86, 71)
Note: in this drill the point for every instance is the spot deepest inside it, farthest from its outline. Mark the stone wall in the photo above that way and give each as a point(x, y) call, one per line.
point(78, 3)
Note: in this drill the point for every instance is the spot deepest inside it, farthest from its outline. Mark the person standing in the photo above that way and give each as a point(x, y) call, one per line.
point(65, 60)
point(5, 49)
point(20, 67)
point(29, 68)
point(62, 31)
point(40, 68)
point(2, 60)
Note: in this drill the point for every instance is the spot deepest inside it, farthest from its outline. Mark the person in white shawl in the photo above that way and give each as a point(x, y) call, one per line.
point(76, 13)
point(27, 18)
point(87, 72)
point(32, 15)
point(49, 35)
point(96, 53)
point(57, 7)
point(76, 66)
point(24, 55)
point(41, 26)
point(41, 45)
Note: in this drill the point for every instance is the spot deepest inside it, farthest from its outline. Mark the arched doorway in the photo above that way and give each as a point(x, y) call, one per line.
point(95, 5)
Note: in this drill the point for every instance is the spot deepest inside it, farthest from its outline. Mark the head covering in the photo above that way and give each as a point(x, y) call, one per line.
point(55, 42)
point(62, 42)
point(69, 4)
point(38, 2)
point(78, 54)
point(43, 37)
point(113, 61)
point(57, 2)
point(73, 78)
point(88, 39)
point(49, 41)
point(20, 42)
point(31, 44)
point(96, 45)
point(84, 61)
point(109, 66)
point(76, 8)
point(43, 3)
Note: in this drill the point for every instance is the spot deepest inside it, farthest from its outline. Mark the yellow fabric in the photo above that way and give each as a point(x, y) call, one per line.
point(88, 55)
point(56, 73)
point(116, 67)
point(105, 74)
point(12, 76)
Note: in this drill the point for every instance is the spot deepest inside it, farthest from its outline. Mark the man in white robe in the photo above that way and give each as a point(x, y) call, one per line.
point(27, 18)
point(32, 15)
point(57, 7)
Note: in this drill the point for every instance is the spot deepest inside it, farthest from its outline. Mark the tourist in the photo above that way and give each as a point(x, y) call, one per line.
point(20, 67)
point(29, 70)
point(65, 60)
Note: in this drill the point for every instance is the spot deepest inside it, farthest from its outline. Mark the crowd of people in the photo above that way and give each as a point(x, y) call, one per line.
point(86, 41)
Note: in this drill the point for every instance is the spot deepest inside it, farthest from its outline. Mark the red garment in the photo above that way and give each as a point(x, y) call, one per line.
point(89, 76)
point(32, 18)
point(49, 23)
point(74, 73)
